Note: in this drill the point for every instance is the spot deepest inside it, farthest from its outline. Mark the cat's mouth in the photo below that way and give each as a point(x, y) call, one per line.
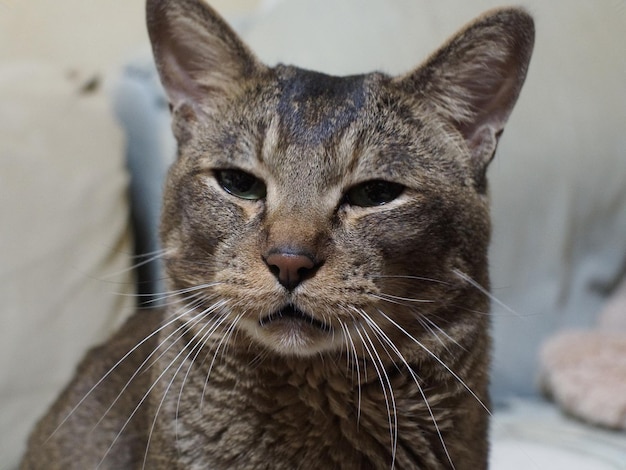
point(294, 314)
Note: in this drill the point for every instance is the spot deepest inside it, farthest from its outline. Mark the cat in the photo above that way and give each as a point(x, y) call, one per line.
point(325, 241)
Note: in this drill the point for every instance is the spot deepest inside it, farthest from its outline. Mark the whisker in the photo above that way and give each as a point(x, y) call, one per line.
point(348, 352)
point(382, 375)
point(381, 335)
point(225, 337)
point(144, 398)
point(202, 343)
point(186, 326)
point(400, 300)
point(412, 278)
point(159, 296)
point(148, 253)
point(434, 356)
point(430, 326)
point(197, 344)
point(149, 258)
point(196, 299)
point(113, 368)
point(350, 342)
point(484, 291)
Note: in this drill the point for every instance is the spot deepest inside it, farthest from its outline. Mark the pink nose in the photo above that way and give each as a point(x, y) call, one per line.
point(290, 268)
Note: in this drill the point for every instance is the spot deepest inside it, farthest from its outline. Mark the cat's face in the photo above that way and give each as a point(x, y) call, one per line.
point(307, 213)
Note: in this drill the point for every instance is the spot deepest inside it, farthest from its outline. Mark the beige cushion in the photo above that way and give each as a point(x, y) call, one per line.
point(64, 238)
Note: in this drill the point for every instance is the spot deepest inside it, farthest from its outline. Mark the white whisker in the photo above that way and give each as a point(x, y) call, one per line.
point(431, 326)
point(484, 291)
point(160, 296)
point(224, 338)
point(177, 316)
point(412, 278)
point(358, 370)
point(434, 356)
point(384, 380)
point(400, 300)
point(143, 399)
point(197, 344)
point(186, 326)
point(384, 337)
point(149, 258)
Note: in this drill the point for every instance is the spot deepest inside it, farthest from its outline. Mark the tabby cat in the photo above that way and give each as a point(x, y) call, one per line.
point(325, 241)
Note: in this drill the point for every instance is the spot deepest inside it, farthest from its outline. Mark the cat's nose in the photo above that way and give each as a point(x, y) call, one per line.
point(290, 268)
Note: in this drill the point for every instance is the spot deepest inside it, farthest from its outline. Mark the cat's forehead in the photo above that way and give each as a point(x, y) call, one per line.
point(300, 122)
point(313, 107)
point(361, 122)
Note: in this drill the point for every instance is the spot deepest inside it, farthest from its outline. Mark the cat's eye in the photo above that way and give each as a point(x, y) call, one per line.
point(241, 184)
point(373, 193)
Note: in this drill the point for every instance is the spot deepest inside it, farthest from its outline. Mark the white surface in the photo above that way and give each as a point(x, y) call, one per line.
point(535, 436)
point(513, 455)
point(522, 455)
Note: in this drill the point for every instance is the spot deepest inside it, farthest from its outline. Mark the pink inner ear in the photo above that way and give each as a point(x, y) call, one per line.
point(196, 52)
point(482, 143)
point(491, 96)
point(179, 85)
point(492, 93)
point(474, 80)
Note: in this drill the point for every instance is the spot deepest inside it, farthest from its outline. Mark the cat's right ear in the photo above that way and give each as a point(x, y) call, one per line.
point(474, 80)
point(200, 59)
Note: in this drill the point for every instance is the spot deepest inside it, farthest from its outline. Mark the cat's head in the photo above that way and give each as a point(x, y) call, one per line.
point(308, 210)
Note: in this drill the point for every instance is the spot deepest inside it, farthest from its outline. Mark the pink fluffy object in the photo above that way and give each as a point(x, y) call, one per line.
point(584, 372)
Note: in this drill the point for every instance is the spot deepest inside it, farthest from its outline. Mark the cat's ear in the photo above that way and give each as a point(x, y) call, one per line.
point(475, 78)
point(198, 56)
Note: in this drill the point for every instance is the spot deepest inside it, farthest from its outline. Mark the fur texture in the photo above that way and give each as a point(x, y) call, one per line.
point(325, 240)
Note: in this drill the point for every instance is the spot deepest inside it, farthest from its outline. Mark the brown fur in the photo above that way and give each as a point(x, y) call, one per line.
point(390, 370)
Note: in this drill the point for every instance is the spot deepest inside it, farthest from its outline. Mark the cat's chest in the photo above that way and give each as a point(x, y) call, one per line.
point(242, 415)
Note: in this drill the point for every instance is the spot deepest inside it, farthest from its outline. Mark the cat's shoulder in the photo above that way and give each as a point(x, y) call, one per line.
point(92, 399)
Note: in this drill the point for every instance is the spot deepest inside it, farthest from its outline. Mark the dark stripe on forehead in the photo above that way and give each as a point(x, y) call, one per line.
point(314, 107)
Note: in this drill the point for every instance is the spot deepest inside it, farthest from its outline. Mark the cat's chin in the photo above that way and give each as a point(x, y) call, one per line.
point(292, 332)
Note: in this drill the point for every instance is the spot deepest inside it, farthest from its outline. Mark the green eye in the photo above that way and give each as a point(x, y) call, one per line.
point(373, 193)
point(241, 184)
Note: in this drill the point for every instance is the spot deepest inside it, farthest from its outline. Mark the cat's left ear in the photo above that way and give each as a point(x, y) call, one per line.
point(198, 56)
point(475, 78)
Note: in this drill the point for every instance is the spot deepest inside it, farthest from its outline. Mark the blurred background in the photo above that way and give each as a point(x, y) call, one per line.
point(94, 34)
point(85, 142)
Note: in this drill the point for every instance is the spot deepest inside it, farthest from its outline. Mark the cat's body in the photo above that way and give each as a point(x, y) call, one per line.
point(325, 241)
point(274, 414)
